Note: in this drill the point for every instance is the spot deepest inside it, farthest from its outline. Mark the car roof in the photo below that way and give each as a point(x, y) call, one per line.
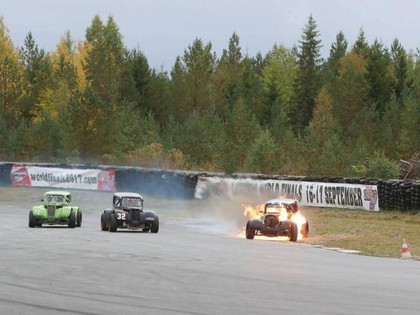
point(127, 194)
point(285, 201)
point(57, 192)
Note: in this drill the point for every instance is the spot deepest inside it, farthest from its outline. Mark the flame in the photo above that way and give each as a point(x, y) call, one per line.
point(256, 212)
point(253, 212)
point(300, 220)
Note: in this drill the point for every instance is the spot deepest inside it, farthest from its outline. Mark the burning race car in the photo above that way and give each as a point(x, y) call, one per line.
point(56, 210)
point(128, 213)
point(279, 217)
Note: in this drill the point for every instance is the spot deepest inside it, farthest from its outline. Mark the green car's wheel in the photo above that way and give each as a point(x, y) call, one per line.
point(31, 222)
point(155, 225)
point(79, 219)
point(112, 223)
point(72, 220)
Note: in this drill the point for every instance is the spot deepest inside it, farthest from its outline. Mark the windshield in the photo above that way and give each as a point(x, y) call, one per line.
point(132, 203)
point(55, 198)
point(274, 208)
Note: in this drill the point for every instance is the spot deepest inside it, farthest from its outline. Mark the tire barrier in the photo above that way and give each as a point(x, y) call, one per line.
point(172, 184)
point(5, 169)
point(393, 194)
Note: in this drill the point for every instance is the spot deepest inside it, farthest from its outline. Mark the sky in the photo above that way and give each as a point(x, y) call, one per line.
point(163, 29)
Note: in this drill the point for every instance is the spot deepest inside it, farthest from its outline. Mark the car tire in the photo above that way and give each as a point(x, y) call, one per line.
point(305, 230)
point(104, 221)
point(31, 222)
point(155, 225)
point(249, 233)
point(293, 232)
point(79, 219)
point(113, 224)
point(72, 220)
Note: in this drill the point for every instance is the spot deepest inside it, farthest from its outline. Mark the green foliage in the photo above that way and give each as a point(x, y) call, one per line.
point(330, 160)
point(242, 128)
point(201, 138)
point(46, 138)
point(277, 80)
point(38, 75)
point(103, 66)
point(191, 80)
point(361, 46)
point(263, 155)
point(351, 94)
point(337, 51)
point(378, 166)
point(308, 76)
point(379, 75)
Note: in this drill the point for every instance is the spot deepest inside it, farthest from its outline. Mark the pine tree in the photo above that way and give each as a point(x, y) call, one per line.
point(227, 79)
point(400, 66)
point(191, 80)
point(361, 46)
point(277, 79)
point(308, 75)
point(337, 51)
point(379, 76)
point(38, 75)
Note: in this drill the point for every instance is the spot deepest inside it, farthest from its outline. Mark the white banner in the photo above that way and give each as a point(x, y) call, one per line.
point(317, 194)
point(94, 179)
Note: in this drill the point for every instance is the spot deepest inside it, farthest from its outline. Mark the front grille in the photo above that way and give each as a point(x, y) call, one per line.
point(51, 210)
point(135, 215)
point(271, 221)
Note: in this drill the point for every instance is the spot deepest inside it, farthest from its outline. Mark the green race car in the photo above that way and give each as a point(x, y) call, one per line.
point(57, 209)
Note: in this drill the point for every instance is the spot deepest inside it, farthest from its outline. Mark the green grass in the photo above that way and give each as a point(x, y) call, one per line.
point(371, 233)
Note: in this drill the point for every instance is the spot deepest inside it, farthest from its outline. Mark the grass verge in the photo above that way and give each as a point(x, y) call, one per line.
point(371, 233)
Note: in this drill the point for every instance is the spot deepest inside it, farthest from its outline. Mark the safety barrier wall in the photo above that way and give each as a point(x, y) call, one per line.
point(393, 194)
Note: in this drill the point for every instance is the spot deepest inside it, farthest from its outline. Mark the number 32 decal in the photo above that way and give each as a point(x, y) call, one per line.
point(121, 216)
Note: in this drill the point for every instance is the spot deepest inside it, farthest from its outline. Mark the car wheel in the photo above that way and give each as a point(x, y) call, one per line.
point(31, 222)
point(104, 220)
point(112, 223)
point(72, 220)
point(305, 230)
point(293, 232)
point(79, 218)
point(155, 225)
point(249, 233)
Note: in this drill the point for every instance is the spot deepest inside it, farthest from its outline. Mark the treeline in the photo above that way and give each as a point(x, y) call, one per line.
point(290, 111)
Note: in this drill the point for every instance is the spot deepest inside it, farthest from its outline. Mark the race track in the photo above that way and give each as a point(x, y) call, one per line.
point(196, 264)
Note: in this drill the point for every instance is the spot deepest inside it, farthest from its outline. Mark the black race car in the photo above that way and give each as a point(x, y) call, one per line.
point(276, 220)
point(128, 213)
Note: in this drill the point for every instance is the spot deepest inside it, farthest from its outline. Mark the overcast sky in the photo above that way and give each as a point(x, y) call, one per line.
point(163, 29)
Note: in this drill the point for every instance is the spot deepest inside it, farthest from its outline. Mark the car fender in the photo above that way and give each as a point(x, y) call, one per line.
point(256, 224)
point(149, 214)
point(39, 211)
point(65, 211)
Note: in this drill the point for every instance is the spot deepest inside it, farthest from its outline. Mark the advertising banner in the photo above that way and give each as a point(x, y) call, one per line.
point(35, 176)
point(317, 194)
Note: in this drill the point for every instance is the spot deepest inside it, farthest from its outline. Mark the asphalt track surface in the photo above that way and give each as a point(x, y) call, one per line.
point(196, 264)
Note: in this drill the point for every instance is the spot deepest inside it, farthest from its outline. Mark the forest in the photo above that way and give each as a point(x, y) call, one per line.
point(355, 113)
